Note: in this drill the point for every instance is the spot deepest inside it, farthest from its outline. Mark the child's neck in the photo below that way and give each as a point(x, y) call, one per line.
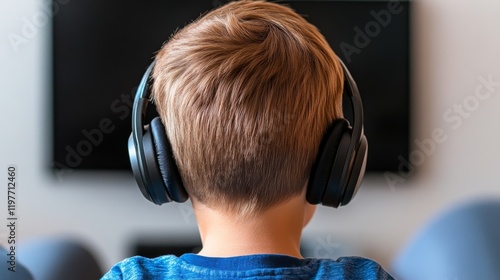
point(276, 231)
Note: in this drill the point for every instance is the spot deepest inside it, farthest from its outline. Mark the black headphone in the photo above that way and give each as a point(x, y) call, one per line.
point(335, 176)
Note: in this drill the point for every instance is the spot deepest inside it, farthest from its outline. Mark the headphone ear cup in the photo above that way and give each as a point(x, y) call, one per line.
point(357, 171)
point(167, 167)
point(337, 182)
point(154, 184)
point(321, 172)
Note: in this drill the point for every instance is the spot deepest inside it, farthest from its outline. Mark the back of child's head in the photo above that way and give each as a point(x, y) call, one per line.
point(246, 93)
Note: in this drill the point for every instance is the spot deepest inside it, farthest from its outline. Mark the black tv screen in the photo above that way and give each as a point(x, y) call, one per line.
point(101, 49)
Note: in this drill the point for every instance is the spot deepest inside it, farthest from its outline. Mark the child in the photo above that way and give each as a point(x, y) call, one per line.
point(246, 94)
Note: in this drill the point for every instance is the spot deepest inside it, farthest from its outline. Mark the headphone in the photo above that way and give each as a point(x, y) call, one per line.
point(334, 179)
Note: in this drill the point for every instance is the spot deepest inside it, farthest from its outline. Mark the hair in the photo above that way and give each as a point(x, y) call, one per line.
point(246, 93)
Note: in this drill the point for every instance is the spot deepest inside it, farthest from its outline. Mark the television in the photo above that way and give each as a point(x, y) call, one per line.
point(102, 48)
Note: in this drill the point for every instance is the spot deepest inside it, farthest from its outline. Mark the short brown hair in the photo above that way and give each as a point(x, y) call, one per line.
point(246, 93)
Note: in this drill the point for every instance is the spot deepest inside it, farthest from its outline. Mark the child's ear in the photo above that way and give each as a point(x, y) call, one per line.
point(309, 210)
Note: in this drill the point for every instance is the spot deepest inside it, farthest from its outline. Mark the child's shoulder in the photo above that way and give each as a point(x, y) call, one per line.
point(139, 267)
point(352, 268)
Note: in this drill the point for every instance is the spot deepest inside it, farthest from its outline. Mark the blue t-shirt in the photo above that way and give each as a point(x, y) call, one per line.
point(192, 266)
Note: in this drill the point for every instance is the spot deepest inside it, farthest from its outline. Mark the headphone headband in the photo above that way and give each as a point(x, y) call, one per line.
point(356, 104)
point(139, 109)
point(351, 89)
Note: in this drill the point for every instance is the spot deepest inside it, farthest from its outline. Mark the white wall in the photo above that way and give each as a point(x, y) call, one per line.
point(454, 43)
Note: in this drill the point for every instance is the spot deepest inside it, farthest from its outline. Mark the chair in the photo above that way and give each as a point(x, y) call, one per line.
point(463, 243)
point(58, 259)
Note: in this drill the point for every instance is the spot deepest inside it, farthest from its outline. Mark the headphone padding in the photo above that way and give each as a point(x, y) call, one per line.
point(337, 183)
point(154, 181)
point(357, 172)
point(166, 162)
point(322, 168)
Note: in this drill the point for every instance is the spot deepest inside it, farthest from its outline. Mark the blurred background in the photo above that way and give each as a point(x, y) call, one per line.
point(453, 150)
